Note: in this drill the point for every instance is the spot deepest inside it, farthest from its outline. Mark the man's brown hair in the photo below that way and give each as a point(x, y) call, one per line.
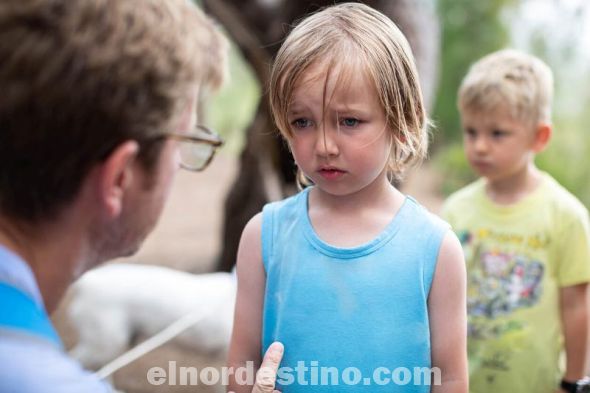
point(79, 77)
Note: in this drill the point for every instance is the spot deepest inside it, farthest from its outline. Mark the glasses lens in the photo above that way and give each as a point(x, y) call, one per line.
point(195, 156)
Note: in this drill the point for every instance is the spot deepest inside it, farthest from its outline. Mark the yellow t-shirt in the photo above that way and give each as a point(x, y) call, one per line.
point(518, 256)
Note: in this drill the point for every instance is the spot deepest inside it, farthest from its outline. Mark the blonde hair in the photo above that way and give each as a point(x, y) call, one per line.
point(79, 77)
point(509, 79)
point(338, 35)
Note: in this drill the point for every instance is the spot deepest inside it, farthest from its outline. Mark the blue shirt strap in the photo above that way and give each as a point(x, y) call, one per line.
point(18, 311)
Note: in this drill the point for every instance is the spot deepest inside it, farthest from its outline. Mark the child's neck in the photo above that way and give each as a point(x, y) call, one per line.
point(353, 219)
point(379, 194)
point(512, 189)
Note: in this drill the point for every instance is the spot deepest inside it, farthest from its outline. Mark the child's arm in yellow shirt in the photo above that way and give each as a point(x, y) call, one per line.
point(574, 320)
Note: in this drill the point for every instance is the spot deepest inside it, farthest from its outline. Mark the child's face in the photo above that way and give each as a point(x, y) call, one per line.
point(497, 146)
point(340, 137)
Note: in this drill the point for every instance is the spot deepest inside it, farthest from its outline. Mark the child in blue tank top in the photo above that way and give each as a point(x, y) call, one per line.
point(364, 287)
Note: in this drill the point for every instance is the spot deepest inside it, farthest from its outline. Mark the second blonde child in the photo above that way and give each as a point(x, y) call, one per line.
point(526, 239)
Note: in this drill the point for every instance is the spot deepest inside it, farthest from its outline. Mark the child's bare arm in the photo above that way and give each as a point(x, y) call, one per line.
point(574, 320)
point(448, 320)
point(247, 331)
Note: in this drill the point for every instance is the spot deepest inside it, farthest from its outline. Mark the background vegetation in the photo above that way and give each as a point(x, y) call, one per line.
point(556, 31)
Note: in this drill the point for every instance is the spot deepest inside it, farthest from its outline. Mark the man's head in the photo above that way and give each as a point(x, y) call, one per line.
point(90, 89)
point(505, 105)
point(81, 77)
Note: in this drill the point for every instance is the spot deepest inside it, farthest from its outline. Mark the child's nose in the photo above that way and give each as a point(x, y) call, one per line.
point(480, 144)
point(327, 142)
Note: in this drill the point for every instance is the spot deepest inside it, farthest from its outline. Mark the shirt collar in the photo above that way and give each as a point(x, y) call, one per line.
point(16, 272)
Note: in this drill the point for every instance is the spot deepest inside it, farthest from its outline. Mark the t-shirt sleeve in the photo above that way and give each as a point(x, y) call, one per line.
point(573, 251)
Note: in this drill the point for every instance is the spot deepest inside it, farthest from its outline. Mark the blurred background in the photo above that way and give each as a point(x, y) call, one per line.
point(558, 31)
point(199, 230)
point(446, 36)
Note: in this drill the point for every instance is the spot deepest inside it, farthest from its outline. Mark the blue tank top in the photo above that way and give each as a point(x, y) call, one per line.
point(351, 319)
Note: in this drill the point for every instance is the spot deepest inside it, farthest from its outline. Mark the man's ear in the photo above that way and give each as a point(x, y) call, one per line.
point(542, 136)
point(116, 176)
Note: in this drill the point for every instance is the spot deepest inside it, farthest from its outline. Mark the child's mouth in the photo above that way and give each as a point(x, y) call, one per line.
point(331, 173)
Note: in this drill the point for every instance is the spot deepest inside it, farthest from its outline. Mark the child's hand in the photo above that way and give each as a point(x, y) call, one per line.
point(267, 373)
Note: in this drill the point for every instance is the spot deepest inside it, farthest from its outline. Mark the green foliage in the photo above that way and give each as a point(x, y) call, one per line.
point(470, 29)
point(231, 110)
point(568, 152)
point(566, 158)
point(450, 160)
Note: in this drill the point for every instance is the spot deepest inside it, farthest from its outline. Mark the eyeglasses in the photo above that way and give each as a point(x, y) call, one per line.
point(197, 147)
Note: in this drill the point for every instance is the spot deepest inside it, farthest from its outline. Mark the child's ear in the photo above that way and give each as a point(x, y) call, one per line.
point(116, 176)
point(542, 137)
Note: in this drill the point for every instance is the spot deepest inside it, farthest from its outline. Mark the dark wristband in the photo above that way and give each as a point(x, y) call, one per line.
point(581, 386)
point(568, 386)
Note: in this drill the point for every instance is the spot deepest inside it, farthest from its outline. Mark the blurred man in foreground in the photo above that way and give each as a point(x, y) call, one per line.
point(97, 113)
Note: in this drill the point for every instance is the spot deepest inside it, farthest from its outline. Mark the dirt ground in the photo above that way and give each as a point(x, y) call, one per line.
point(188, 238)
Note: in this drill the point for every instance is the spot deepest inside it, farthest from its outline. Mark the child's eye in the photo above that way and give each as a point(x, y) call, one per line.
point(350, 122)
point(470, 132)
point(301, 123)
point(499, 133)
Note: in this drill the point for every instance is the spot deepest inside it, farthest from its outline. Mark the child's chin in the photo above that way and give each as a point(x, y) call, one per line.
point(482, 170)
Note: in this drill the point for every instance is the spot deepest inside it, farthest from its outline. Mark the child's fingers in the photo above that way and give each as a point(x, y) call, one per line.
point(267, 374)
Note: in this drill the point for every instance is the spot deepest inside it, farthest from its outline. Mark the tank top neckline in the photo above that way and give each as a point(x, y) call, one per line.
point(356, 251)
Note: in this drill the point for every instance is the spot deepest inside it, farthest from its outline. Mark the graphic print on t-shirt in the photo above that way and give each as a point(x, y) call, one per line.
point(502, 280)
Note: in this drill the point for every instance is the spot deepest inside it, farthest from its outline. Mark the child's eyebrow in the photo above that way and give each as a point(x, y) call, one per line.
point(297, 109)
point(357, 109)
point(350, 108)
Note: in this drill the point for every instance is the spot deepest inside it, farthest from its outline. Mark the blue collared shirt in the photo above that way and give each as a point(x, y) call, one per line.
point(32, 363)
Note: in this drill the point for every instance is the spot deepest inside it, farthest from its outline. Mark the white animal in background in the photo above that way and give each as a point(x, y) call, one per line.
point(113, 304)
